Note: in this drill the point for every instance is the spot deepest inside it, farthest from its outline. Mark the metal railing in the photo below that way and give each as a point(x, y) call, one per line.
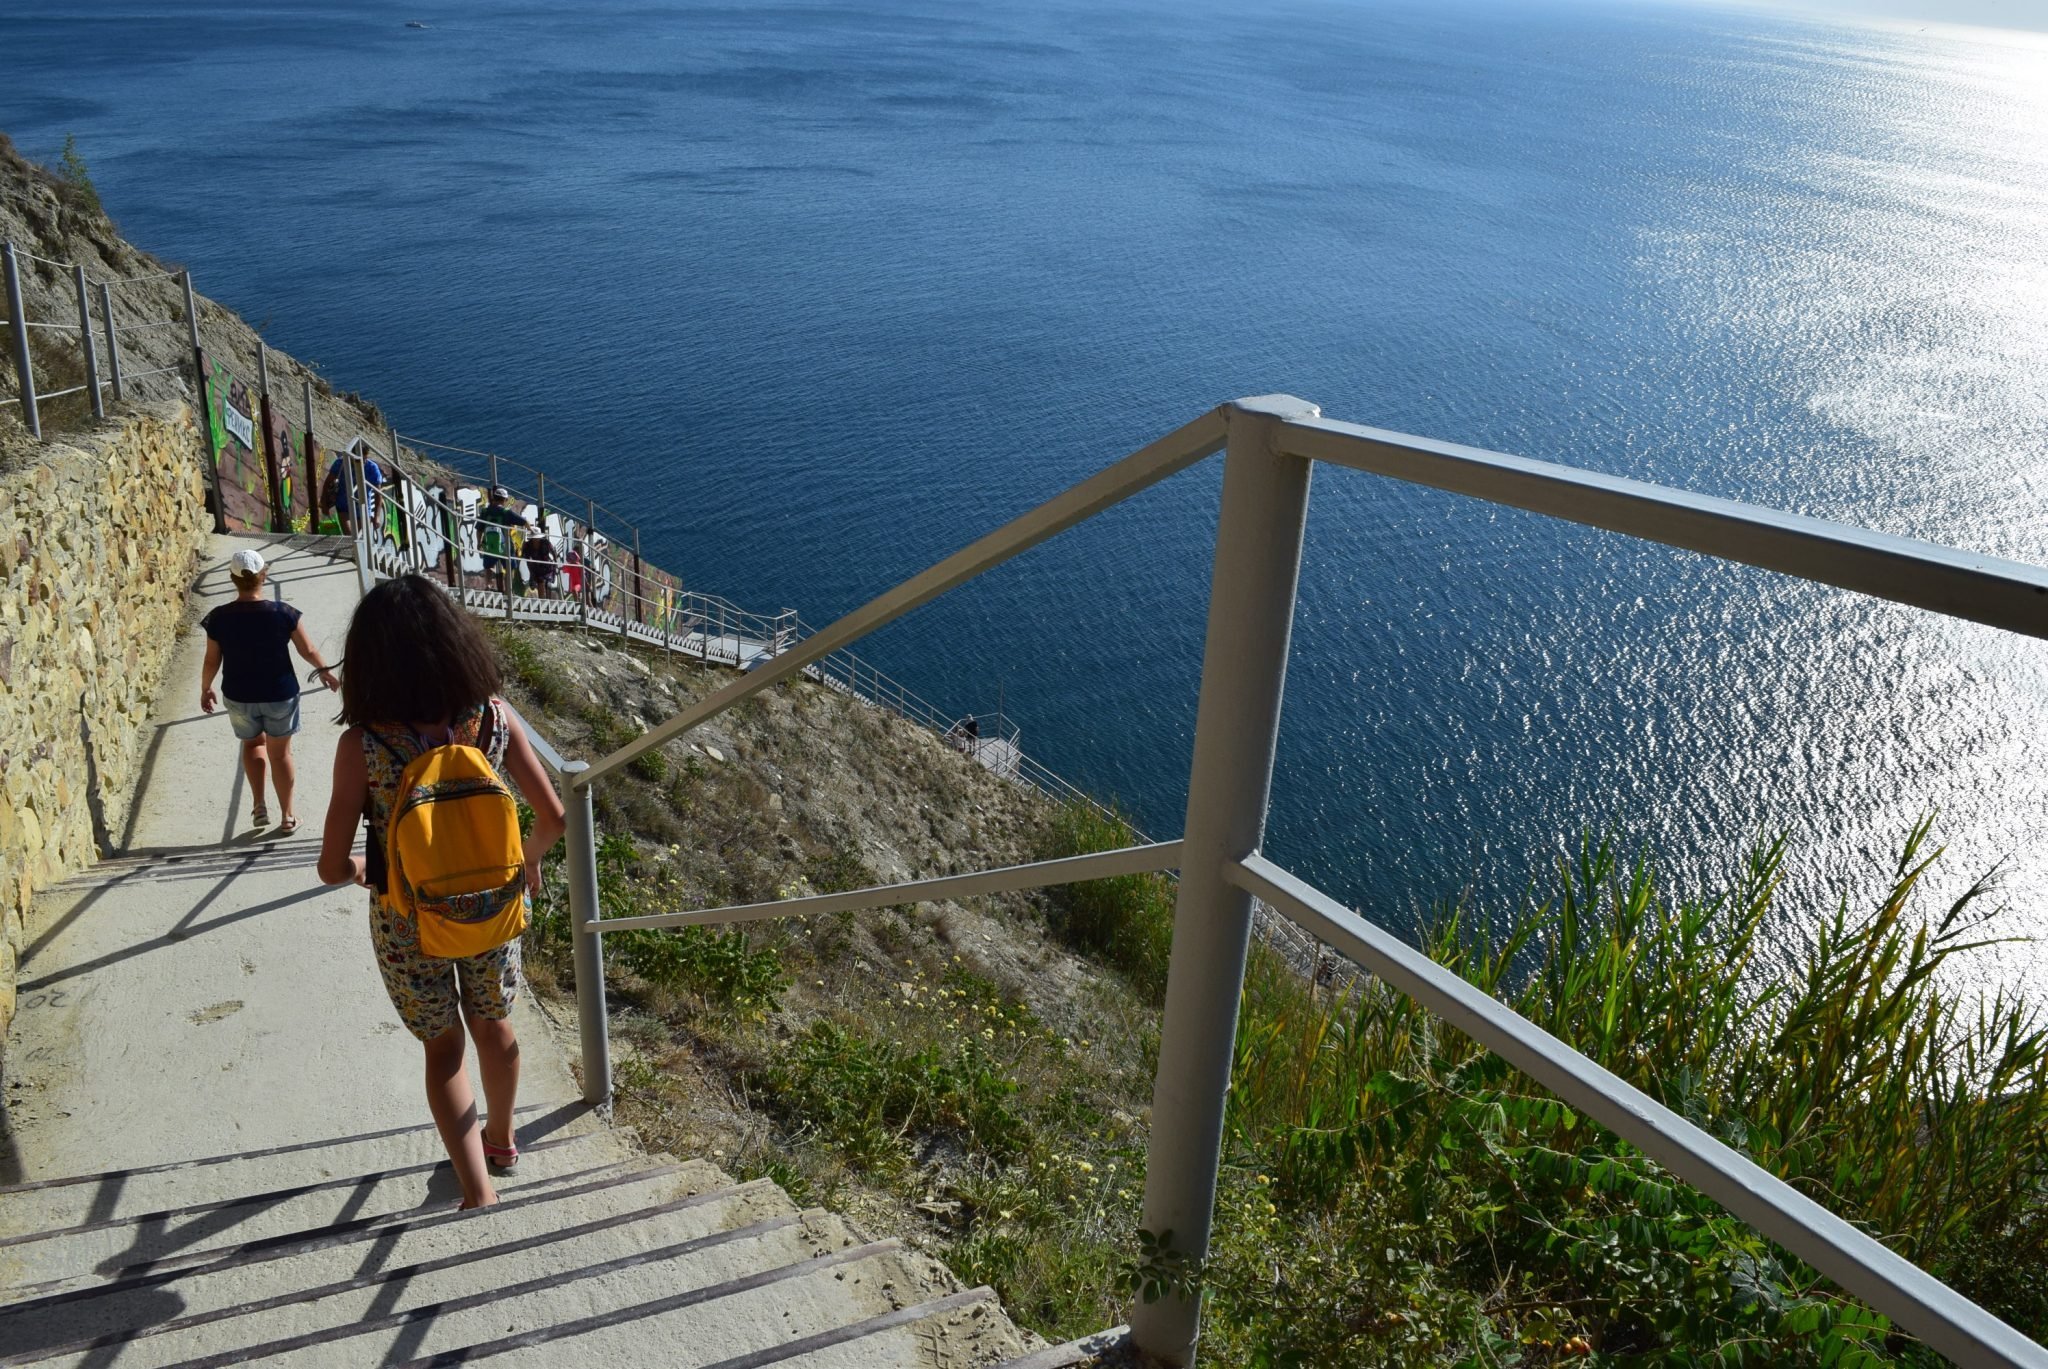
point(1273, 444)
point(615, 591)
point(85, 291)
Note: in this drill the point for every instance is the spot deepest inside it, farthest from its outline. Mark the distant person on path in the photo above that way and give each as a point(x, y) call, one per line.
point(337, 491)
point(498, 545)
point(539, 551)
point(421, 676)
point(246, 639)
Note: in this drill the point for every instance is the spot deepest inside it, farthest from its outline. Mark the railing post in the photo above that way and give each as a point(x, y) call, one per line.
point(403, 484)
point(1237, 722)
point(201, 384)
point(274, 465)
point(92, 357)
point(580, 854)
point(311, 450)
point(17, 324)
point(113, 338)
point(589, 560)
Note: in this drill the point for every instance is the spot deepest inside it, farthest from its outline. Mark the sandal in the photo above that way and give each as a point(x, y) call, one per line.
point(289, 825)
point(501, 1158)
point(262, 817)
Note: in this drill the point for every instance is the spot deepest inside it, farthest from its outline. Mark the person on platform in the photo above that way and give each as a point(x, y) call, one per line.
point(538, 550)
point(497, 538)
point(337, 491)
point(245, 645)
point(422, 676)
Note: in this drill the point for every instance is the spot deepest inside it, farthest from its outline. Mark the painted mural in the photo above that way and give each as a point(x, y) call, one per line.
point(231, 409)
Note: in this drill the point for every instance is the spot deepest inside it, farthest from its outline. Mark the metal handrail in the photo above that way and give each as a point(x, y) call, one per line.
point(1942, 1317)
point(1128, 860)
point(1273, 443)
point(1139, 471)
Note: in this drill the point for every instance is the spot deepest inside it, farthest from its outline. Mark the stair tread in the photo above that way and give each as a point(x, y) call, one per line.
point(46, 1204)
point(285, 1245)
point(730, 1311)
point(912, 1337)
point(119, 1243)
point(565, 1235)
point(1074, 1352)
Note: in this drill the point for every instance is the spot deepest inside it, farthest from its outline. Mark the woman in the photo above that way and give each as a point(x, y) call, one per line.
point(419, 675)
point(249, 636)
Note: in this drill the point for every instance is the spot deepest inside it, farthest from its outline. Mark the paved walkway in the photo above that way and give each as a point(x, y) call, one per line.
point(201, 991)
point(218, 1149)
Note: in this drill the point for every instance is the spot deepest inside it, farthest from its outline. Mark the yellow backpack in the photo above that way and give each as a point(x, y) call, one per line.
point(454, 861)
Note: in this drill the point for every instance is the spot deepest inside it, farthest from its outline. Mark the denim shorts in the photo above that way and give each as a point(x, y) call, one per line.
point(250, 721)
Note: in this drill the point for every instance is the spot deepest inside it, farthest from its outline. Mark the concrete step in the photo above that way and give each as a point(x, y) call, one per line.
point(950, 1332)
point(104, 1246)
point(695, 1242)
point(850, 1296)
point(738, 1283)
point(49, 1204)
point(686, 1200)
point(1074, 1353)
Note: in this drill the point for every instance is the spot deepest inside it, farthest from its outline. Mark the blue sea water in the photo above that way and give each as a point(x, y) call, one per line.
point(820, 291)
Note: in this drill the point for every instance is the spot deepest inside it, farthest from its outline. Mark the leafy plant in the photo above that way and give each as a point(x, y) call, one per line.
point(1127, 921)
point(76, 180)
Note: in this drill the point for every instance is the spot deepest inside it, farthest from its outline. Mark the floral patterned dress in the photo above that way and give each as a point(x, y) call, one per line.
point(431, 994)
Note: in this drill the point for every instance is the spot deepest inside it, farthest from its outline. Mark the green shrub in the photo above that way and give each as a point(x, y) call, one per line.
point(76, 180)
point(1393, 1194)
point(864, 1095)
point(1125, 922)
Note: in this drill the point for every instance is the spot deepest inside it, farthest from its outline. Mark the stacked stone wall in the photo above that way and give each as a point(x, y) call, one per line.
point(98, 546)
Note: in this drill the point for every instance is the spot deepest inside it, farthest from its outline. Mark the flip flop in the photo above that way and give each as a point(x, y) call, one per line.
point(501, 1157)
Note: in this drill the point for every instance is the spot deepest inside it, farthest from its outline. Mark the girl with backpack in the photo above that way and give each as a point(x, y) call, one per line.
point(428, 739)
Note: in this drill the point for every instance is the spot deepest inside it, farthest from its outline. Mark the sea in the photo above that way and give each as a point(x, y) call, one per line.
point(818, 292)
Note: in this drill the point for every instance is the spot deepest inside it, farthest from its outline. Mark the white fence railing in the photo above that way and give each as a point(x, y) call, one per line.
point(1273, 445)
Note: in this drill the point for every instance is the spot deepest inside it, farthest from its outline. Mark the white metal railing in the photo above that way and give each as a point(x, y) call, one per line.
point(1273, 444)
point(708, 627)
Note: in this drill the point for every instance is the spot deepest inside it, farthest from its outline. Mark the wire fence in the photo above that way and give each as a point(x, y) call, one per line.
point(93, 346)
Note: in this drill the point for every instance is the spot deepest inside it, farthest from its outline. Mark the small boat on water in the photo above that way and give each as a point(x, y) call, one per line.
point(415, 23)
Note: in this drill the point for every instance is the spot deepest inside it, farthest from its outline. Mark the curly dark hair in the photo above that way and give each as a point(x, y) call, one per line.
point(413, 656)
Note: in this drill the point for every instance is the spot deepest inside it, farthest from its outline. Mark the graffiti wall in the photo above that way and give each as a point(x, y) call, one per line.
point(232, 407)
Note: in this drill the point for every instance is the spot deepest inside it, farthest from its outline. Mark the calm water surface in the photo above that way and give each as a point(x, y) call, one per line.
point(823, 291)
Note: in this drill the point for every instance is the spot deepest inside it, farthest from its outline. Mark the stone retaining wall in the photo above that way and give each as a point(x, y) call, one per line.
point(98, 546)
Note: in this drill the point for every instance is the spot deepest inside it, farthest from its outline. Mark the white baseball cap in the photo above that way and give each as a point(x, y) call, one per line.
point(247, 561)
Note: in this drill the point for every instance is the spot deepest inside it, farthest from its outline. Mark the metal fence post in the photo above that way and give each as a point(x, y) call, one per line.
point(275, 467)
point(113, 339)
point(91, 354)
point(312, 454)
point(200, 386)
point(589, 561)
point(17, 324)
point(404, 486)
point(359, 514)
point(579, 853)
point(1237, 722)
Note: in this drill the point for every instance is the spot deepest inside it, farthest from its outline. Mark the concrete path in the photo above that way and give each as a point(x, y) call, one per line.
point(218, 1152)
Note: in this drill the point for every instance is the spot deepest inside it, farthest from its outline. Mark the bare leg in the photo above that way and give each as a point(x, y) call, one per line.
point(497, 1060)
point(253, 769)
point(280, 752)
point(454, 1108)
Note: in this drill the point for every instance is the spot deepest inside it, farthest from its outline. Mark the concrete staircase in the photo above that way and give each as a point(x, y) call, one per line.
point(350, 1252)
point(215, 1147)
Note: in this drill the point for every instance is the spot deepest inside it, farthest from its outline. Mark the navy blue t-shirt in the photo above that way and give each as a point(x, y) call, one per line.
point(256, 667)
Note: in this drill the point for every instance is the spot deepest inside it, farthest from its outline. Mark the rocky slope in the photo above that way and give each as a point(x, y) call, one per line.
point(46, 216)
